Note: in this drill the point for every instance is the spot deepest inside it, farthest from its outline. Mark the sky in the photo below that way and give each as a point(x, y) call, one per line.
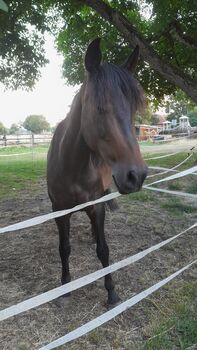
point(51, 97)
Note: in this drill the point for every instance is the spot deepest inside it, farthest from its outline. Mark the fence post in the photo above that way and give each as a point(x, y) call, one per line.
point(32, 139)
point(5, 140)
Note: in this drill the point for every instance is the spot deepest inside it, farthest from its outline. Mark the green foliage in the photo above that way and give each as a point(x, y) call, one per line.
point(13, 129)
point(170, 31)
point(179, 105)
point(83, 24)
point(173, 31)
point(21, 42)
point(82, 27)
point(193, 117)
point(36, 124)
point(2, 129)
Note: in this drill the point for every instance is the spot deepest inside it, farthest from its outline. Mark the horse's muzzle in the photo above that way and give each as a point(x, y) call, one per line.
point(130, 180)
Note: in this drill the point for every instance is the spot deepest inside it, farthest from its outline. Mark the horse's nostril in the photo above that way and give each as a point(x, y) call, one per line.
point(131, 177)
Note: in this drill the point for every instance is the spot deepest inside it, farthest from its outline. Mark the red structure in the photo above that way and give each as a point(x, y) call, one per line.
point(146, 132)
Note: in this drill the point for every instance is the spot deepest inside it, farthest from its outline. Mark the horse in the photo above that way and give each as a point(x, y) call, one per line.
point(94, 145)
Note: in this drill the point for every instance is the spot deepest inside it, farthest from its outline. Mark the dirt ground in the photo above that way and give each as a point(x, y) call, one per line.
point(30, 264)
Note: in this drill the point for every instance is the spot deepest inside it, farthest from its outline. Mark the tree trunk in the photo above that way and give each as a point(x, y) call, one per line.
point(172, 74)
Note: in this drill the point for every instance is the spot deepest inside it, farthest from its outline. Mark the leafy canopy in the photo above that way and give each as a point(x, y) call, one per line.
point(178, 105)
point(169, 29)
point(22, 40)
point(2, 129)
point(36, 124)
point(193, 117)
point(14, 128)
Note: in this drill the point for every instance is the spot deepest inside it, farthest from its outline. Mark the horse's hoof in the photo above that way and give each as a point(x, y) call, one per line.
point(61, 302)
point(113, 299)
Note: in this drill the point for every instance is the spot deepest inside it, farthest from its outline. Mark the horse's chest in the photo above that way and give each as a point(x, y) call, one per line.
point(106, 176)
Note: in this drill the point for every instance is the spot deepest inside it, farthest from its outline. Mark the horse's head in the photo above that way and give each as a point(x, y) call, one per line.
point(110, 97)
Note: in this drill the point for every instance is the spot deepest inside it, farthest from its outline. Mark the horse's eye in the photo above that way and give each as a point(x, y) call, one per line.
point(101, 109)
point(103, 132)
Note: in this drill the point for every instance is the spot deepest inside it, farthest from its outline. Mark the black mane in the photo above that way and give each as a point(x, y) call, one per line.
point(111, 78)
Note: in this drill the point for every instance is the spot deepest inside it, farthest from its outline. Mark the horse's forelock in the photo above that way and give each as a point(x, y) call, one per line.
point(109, 79)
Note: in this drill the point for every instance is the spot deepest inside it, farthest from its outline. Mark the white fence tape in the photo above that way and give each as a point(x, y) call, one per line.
point(162, 168)
point(176, 176)
point(109, 315)
point(176, 193)
point(163, 156)
point(43, 218)
point(171, 169)
point(83, 281)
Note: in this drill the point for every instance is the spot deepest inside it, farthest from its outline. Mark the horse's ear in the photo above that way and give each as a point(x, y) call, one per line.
point(93, 55)
point(132, 60)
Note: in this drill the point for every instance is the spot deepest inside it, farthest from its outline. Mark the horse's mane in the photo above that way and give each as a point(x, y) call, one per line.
point(109, 77)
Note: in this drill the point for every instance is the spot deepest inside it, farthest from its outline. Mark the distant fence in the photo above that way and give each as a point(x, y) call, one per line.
point(25, 140)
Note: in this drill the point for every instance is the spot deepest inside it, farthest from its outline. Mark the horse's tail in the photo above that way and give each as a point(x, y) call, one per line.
point(112, 204)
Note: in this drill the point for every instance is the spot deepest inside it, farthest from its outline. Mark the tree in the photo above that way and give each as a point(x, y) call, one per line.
point(178, 105)
point(167, 39)
point(14, 128)
point(21, 43)
point(36, 124)
point(146, 116)
point(193, 117)
point(2, 129)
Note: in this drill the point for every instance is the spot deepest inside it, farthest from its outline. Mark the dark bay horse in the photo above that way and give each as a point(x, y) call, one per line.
point(95, 142)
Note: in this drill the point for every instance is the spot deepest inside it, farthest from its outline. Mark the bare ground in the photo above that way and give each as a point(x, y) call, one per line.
point(30, 264)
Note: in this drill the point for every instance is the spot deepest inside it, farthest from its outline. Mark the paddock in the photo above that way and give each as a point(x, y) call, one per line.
point(143, 220)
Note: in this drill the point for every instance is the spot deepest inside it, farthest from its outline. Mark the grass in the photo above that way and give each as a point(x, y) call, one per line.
point(147, 143)
point(192, 187)
point(185, 184)
point(174, 186)
point(22, 149)
point(176, 207)
point(143, 196)
point(176, 328)
point(18, 174)
point(170, 162)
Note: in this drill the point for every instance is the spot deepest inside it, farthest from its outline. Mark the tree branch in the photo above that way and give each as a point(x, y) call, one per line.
point(177, 32)
point(131, 35)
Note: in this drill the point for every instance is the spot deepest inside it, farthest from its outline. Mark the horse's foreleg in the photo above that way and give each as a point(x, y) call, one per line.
point(97, 217)
point(63, 224)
